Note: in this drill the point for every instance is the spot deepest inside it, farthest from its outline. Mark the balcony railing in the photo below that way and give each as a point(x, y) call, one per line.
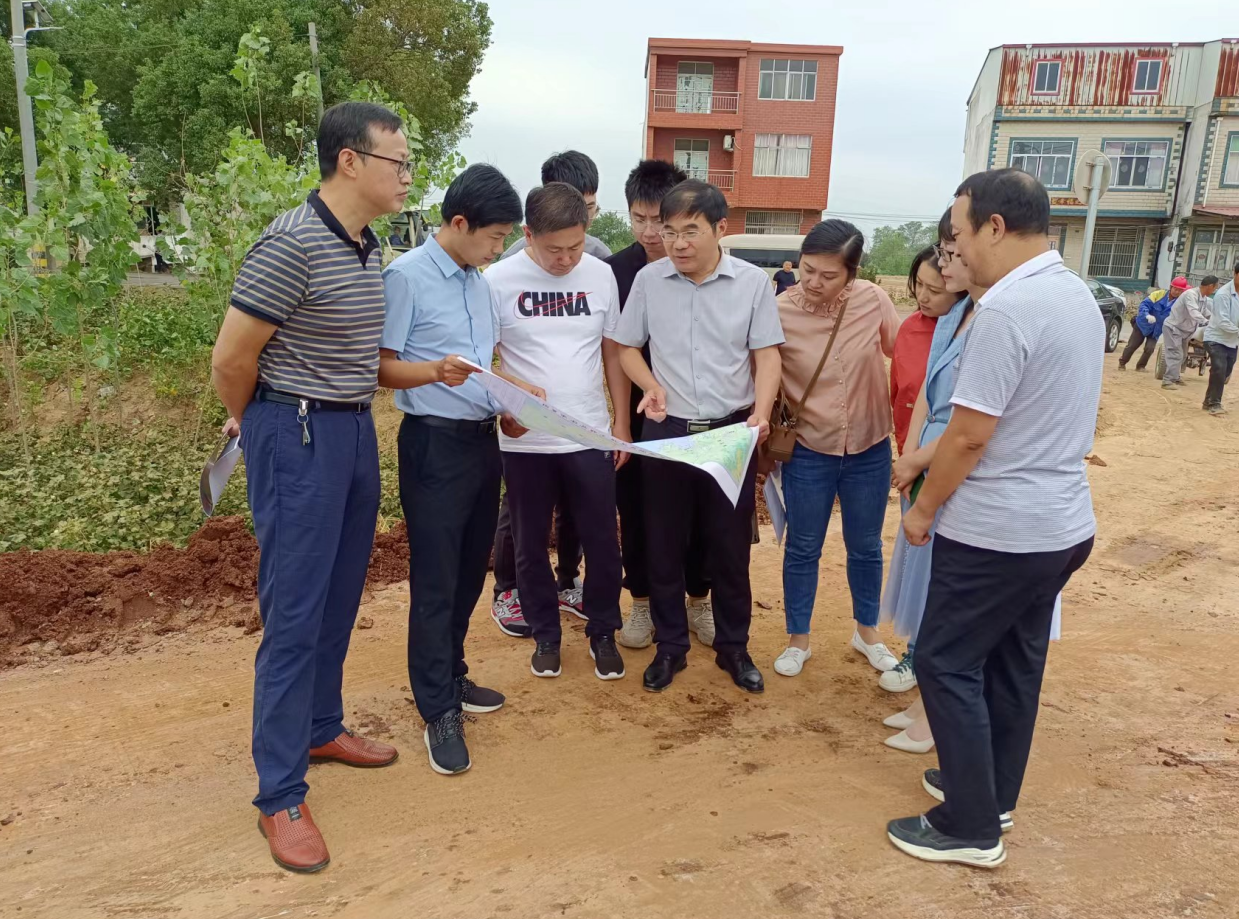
point(692, 102)
point(724, 179)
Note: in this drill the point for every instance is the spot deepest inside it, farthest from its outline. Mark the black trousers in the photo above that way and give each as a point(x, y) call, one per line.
point(449, 489)
point(629, 498)
point(682, 504)
point(1137, 338)
point(567, 550)
point(1221, 365)
point(582, 482)
point(980, 657)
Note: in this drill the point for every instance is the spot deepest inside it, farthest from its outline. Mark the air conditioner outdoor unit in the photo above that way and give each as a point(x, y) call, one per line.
point(729, 142)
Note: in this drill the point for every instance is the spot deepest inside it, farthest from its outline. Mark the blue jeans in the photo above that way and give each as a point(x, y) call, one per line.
point(862, 482)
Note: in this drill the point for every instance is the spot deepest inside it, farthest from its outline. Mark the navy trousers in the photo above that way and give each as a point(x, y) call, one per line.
point(315, 506)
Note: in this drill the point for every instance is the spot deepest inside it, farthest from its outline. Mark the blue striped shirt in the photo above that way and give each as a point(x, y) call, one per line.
point(324, 292)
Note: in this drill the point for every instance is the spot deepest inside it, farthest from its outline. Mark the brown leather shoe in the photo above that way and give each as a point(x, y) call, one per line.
point(352, 750)
point(296, 843)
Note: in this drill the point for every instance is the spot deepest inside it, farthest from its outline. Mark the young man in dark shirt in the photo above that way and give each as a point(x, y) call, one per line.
point(647, 184)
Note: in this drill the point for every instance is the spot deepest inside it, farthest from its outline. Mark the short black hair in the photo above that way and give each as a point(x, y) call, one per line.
point(1019, 198)
point(1236, 271)
point(650, 180)
point(555, 206)
point(945, 233)
point(1211, 279)
point(572, 168)
point(692, 196)
point(349, 126)
point(836, 237)
point(483, 196)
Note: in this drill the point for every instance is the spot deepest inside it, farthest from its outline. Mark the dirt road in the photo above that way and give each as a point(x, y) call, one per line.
point(128, 776)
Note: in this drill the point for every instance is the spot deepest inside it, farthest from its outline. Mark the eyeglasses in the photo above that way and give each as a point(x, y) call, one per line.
point(944, 254)
point(404, 168)
point(643, 223)
point(670, 236)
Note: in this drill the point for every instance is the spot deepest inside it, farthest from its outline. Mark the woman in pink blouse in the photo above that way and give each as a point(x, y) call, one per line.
point(843, 444)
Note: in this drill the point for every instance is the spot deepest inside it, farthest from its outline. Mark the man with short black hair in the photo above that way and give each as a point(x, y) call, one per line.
point(553, 303)
point(1016, 516)
point(438, 311)
point(578, 170)
point(1222, 342)
point(1189, 313)
point(713, 329)
point(649, 182)
point(296, 364)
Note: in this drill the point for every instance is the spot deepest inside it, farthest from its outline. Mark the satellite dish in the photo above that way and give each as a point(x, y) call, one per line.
point(1083, 180)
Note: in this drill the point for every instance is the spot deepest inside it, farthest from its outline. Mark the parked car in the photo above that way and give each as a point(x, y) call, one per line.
point(1112, 306)
point(767, 251)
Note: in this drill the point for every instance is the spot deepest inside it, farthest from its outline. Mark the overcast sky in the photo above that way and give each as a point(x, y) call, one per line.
point(564, 74)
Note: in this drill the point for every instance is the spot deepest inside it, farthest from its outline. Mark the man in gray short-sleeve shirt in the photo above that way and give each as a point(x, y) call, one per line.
point(713, 330)
point(1017, 516)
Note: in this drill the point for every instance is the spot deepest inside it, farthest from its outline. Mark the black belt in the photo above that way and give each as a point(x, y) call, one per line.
point(459, 425)
point(305, 403)
point(700, 425)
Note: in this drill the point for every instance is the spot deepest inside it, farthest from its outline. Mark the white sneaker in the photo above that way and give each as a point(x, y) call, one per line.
point(902, 741)
point(899, 721)
point(701, 620)
point(638, 631)
point(791, 661)
point(877, 654)
point(901, 679)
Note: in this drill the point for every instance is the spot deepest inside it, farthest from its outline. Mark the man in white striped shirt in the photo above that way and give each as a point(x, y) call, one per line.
point(1017, 517)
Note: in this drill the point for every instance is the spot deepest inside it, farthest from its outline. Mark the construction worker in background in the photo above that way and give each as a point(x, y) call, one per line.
point(1149, 320)
point(1190, 312)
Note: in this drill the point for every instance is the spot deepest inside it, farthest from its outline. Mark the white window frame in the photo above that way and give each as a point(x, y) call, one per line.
point(694, 145)
point(768, 66)
point(767, 223)
point(1058, 78)
point(1130, 150)
point(786, 151)
point(1147, 90)
point(1012, 156)
point(1230, 161)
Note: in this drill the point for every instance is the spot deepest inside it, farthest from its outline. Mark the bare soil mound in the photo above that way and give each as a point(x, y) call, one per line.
point(58, 602)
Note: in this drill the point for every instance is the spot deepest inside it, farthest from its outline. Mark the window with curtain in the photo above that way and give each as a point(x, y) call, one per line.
point(1137, 164)
point(782, 155)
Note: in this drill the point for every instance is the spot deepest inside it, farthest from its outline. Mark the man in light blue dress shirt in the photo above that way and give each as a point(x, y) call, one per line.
point(438, 312)
point(1222, 342)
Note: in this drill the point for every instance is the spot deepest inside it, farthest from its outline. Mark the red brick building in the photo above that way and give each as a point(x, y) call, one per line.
point(756, 120)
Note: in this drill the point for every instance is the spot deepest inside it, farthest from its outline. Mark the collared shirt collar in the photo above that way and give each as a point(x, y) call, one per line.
point(725, 267)
point(445, 262)
point(1043, 262)
point(369, 242)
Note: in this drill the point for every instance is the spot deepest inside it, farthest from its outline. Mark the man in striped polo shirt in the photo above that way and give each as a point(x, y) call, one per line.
point(297, 363)
point(1017, 515)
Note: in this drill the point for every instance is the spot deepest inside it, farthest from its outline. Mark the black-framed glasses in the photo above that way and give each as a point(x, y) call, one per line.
point(944, 255)
point(404, 168)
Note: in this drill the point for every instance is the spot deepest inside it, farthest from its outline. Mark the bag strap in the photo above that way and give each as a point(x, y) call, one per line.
point(795, 415)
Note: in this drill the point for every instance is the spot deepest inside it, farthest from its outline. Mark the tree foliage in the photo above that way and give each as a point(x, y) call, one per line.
point(612, 228)
point(169, 95)
point(894, 247)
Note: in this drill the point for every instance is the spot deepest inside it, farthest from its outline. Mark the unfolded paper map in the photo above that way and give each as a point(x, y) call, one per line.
point(723, 453)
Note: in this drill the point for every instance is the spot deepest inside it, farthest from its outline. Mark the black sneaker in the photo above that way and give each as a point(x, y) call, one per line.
point(917, 837)
point(608, 665)
point(475, 698)
point(445, 742)
point(931, 781)
point(545, 662)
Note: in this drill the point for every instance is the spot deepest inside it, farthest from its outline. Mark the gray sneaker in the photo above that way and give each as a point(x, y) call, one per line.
point(701, 621)
point(1215, 410)
point(638, 631)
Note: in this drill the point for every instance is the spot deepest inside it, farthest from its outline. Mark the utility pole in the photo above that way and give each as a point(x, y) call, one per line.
point(1096, 181)
point(25, 111)
point(318, 76)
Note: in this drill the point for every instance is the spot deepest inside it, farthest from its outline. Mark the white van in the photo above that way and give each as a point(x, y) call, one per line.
point(768, 251)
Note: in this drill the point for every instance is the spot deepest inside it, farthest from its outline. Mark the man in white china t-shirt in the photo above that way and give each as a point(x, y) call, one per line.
point(552, 304)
